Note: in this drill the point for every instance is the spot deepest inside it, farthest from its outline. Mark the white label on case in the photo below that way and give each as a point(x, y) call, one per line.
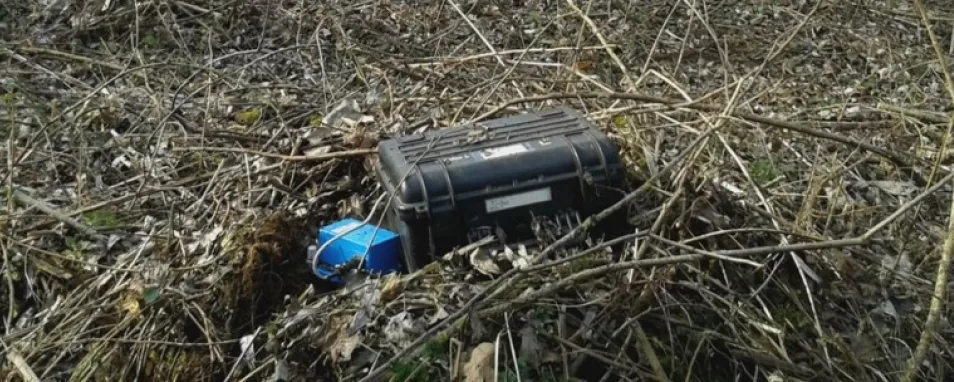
point(503, 151)
point(527, 198)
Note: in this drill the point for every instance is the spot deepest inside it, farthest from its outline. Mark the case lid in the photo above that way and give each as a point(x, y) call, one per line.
point(442, 167)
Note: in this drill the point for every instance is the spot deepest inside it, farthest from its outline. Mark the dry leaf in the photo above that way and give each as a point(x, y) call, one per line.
point(345, 108)
point(247, 342)
point(480, 367)
point(335, 329)
point(281, 372)
point(584, 65)
point(399, 329)
point(352, 206)
point(343, 347)
point(364, 315)
point(439, 315)
point(477, 329)
point(522, 258)
point(895, 267)
point(317, 150)
point(130, 305)
point(551, 357)
point(361, 140)
point(530, 347)
point(896, 188)
point(483, 263)
point(509, 253)
point(802, 266)
point(131, 296)
point(357, 120)
point(392, 289)
point(369, 162)
point(888, 309)
point(204, 240)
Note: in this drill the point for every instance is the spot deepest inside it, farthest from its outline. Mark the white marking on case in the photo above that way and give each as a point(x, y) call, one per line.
point(527, 198)
point(502, 151)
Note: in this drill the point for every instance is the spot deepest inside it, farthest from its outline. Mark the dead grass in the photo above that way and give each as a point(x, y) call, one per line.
point(166, 162)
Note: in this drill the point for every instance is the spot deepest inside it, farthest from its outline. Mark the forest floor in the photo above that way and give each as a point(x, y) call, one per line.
point(165, 164)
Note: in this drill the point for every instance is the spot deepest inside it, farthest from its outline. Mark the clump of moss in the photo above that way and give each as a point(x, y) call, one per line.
point(762, 172)
point(102, 219)
point(249, 117)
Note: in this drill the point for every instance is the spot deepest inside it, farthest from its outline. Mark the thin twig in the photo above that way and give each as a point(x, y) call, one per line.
point(630, 85)
point(509, 52)
point(29, 201)
point(713, 255)
point(287, 158)
point(647, 349)
point(925, 115)
point(477, 31)
point(144, 342)
point(52, 53)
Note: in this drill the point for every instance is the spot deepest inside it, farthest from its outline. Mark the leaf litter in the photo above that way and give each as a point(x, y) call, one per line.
point(170, 128)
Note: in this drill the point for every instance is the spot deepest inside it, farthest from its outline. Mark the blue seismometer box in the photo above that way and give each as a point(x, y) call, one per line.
point(354, 238)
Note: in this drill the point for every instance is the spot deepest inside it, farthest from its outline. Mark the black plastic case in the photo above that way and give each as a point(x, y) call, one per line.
point(495, 177)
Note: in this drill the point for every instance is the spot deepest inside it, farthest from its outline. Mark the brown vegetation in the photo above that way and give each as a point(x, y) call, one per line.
point(165, 163)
